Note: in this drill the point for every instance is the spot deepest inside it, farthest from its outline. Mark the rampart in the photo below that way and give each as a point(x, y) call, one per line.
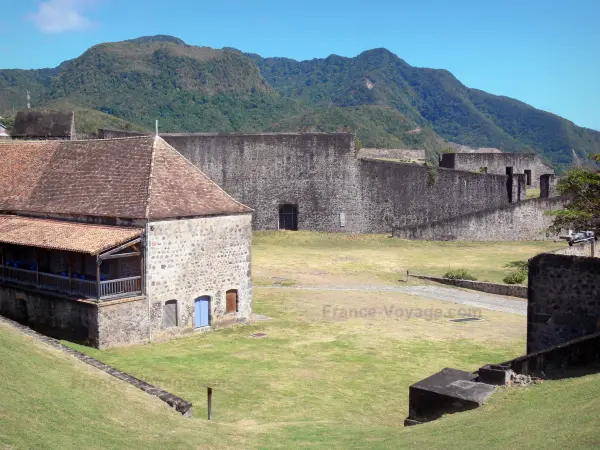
point(564, 299)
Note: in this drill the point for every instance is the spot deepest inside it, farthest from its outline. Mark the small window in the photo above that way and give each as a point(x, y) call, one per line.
point(231, 301)
point(170, 314)
point(342, 219)
point(528, 177)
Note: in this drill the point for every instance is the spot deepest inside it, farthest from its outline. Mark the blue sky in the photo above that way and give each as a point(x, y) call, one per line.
point(545, 53)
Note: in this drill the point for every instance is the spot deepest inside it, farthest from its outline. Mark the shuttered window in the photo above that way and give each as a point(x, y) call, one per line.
point(232, 301)
point(170, 314)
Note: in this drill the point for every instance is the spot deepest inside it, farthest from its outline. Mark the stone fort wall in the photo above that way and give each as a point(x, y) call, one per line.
point(497, 163)
point(321, 174)
point(522, 221)
point(564, 299)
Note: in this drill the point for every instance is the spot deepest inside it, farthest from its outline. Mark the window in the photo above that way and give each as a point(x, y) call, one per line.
point(231, 303)
point(342, 219)
point(170, 314)
point(528, 177)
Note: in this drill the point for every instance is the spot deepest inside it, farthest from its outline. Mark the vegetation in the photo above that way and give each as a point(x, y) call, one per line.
point(582, 212)
point(516, 277)
point(376, 95)
point(460, 274)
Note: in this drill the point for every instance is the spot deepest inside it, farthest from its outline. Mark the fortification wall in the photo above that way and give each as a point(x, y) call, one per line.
point(397, 195)
point(497, 163)
point(320, 174)
point(525, 220)
point(564, 299)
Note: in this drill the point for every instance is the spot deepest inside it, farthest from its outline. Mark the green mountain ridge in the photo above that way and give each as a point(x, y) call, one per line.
point(376, 95)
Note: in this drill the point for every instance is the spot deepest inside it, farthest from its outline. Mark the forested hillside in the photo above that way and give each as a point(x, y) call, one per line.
point(376, 95)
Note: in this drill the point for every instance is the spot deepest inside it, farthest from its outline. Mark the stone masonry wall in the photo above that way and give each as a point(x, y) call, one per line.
point(320, 173)
point(525, 220)
point(497, 163)
point(564, 299)
point(186, 259)
point(589, 249)
point(402, 154)
point(51, 315)
point(123, 322)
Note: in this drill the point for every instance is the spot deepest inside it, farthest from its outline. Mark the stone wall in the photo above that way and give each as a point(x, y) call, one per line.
point(401, 154)
point(512, 290)
point(589, 249)
point(319, 172)
point(564, 299)
point(525, 220)
point(497, 163)
point(51, 315)
point(190, 258)
point(123, 322)
point(100, 325)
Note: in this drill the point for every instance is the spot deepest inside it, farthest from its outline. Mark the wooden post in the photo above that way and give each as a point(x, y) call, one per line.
point(98, 263)
point(209, 397)
point(37, 268)
point(407, 276)
point(70, 282)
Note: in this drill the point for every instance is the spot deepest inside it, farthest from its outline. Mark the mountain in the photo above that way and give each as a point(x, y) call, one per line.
point(380, 97)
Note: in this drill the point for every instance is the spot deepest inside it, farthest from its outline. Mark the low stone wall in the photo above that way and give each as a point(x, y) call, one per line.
point(180, 405)
point(560, 359)
point(589, 249)
point(522, 221)
point(402, 154)
point(511, 290)
point(564, 293)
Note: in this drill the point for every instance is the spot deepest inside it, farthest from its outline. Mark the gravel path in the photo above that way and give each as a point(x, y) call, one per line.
point(475, 299)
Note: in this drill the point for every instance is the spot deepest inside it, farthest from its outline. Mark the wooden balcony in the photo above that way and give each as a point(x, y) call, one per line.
point(101, 290)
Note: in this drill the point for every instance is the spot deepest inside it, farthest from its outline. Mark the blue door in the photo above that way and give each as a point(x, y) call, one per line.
point(201, 309)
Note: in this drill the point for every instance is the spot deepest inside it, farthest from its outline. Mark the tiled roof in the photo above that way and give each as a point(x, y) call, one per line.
point(130, 178)
point(68, 236)
point(40, 124)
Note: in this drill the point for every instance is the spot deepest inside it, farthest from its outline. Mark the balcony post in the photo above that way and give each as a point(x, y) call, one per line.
point(70, 278)
point(37, 268)
point(2, 260)
point(98, 264)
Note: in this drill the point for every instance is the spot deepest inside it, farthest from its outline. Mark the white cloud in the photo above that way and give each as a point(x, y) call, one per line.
point(59, 16)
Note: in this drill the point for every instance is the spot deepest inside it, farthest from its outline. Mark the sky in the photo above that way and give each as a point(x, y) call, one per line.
point(543, 52)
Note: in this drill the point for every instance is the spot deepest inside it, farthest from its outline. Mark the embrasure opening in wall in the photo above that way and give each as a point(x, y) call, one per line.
point(288, 217)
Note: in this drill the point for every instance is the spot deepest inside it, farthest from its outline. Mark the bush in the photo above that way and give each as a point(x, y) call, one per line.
point(516, 277)
point(460, 274)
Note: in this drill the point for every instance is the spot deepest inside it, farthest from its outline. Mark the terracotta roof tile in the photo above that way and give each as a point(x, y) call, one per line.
point(130, 178)
point(68, 236)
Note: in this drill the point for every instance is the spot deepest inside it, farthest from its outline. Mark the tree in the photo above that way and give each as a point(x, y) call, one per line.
point(582, 188)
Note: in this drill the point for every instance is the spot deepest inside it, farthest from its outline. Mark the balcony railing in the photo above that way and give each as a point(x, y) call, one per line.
point(105, 290)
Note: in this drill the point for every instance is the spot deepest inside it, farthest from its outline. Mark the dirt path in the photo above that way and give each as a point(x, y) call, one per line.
point(458, 296)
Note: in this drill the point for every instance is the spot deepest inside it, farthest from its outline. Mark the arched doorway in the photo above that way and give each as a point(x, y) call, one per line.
point(202, 312)
point(288, 217)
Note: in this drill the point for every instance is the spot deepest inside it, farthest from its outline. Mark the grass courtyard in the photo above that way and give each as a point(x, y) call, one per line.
point(315, 380)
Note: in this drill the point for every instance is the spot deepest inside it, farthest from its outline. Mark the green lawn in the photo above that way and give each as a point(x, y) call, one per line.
point(315, 380)
point(49, 400)
point(312, 258)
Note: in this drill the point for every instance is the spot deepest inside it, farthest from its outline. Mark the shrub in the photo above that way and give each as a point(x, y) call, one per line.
point(460, 274)
point(516, 277)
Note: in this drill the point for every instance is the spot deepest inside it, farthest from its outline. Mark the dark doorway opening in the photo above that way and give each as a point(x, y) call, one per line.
point(21, 313)
point(509, 184)
point(288, 217)
point(528, 177)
